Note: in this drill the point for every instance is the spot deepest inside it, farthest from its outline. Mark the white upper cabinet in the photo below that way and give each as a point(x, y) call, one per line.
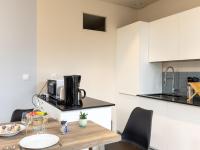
point(128, 59)
point(175, 37)
point(135, 75)
point(163, 44)
point(190, 34)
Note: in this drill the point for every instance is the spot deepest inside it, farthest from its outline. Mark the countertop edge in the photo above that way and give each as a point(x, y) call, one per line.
point(106, 104)
point(165, 100)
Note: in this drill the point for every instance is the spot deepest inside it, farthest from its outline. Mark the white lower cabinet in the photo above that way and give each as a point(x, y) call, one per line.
point(174, 126)
point(184, 127)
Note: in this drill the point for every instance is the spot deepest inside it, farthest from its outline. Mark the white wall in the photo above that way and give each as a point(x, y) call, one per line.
point(17, 55)
point(65, 48)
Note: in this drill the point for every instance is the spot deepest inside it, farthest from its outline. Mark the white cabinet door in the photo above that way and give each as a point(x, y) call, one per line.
point(128, 59)
point(132, 61)
point(164, 39)
point(184, 127)
point(190, 34)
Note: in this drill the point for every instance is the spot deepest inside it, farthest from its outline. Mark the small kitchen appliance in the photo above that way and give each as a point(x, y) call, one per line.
point(73, 94)
point(55, 89)
point(67, 91)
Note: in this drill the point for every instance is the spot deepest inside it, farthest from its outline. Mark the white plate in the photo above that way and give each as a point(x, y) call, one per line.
point(39, 141)
point(7, 134)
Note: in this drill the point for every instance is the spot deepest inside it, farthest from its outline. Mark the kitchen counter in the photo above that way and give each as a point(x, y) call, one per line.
point(172, 120)
point(98, 111)
point(173, 98)
point(87, 103)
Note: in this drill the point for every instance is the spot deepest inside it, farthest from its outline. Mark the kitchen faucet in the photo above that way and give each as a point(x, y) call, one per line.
point(173, 78)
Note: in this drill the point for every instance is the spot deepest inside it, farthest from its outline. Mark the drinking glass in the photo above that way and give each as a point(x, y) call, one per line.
point(26, 120)
point(45, 122)
point(37, 124)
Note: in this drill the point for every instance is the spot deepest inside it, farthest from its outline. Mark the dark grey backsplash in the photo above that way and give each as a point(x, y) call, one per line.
point(180, 82)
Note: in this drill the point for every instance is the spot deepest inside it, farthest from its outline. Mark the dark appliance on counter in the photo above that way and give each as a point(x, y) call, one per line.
point(73, 95)
point(66, 92)
point(55, 89)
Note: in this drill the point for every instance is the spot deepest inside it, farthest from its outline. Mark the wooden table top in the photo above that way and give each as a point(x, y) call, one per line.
point(77, 138)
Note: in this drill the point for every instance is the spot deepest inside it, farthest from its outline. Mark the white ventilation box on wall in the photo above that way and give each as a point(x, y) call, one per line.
point(135, 75)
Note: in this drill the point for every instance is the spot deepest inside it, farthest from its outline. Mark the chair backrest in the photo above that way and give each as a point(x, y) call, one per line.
point(138, 127)
point(17, 114)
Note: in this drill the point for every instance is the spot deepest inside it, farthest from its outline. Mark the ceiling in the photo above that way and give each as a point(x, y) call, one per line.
point(136, 4)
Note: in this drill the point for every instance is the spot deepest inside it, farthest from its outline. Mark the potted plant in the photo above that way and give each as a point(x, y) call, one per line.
point(83, 119)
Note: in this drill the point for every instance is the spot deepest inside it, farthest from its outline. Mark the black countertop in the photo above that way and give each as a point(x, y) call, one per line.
point(87, 103)
point(173, 98)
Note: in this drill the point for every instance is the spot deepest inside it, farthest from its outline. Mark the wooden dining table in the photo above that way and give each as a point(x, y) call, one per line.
point(76, 138)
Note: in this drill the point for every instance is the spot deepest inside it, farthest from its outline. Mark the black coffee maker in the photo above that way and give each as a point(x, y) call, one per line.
point(73, 95)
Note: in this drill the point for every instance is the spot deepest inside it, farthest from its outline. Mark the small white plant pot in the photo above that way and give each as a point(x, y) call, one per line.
point(83, 122)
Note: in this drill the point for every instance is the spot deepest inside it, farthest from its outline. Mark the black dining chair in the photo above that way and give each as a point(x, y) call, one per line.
point(17, 114)
point(137, 132)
